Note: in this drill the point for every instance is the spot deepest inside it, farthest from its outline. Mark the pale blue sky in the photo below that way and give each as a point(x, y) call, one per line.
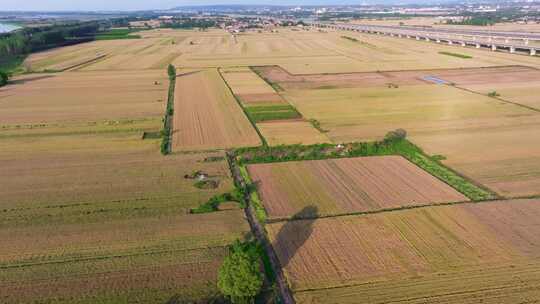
point(51, 5)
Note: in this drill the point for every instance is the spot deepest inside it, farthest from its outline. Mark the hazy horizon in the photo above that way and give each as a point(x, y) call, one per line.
point(132, 5)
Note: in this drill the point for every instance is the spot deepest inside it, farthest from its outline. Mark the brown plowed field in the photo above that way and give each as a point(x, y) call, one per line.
point(464, 76)
point(443, 252)
point(492, 75)
point(347, 185)
point(207, 115)
point(256, 99)
point(344, 80)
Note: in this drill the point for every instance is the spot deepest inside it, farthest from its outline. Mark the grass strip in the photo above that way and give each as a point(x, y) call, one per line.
point(114, 34)
point(277, 112)
point(256, 202)
point(463, 56)
point(166, 132)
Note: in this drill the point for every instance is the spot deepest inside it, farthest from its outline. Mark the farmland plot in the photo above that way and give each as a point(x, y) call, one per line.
point(339, 186)
point(48, 177)
point(92, 213)
point(278, 122)
point(443, 121)
point(130, 260)
point(517, 84)
point(289, 132)
point(207, 115)
point(354, 114)
point(83, 97)
point(447, 254)
point(504, 158)
point(249, 87)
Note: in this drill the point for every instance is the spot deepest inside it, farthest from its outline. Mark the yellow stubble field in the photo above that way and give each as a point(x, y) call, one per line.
point(83, 96)
point(207, 116)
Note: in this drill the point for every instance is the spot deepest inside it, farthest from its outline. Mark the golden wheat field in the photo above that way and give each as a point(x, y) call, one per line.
point(208, 116)
point(74, 97)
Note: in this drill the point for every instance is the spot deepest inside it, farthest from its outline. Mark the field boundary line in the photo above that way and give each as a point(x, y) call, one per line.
point(415, 298)
point(260, 234)
point(496, 97)
point(253, 124)
point(398, 209)
point(84, 64)
point(473, 182)
point(105, 257)
point(394, 71)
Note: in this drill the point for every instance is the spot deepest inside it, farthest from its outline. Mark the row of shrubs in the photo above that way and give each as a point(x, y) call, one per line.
point(169, 111)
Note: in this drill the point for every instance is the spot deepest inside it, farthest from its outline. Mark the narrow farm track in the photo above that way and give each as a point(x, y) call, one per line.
point(259, 233)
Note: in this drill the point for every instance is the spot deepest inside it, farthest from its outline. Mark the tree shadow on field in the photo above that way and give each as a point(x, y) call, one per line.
point(292, 236)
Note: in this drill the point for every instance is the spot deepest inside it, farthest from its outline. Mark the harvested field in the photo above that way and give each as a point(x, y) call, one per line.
point(464, 77)
point(439, 119)
point(515, 84)
point(117, 171)
point(341, 186)
point(249, 87)
point(94, 213)
point(122, 54)
point(369, 113)
point(447, 254)
point(83, 96)
point(510, 166)
point(289, 81)
point(207, 116)
point(291, 132)
point(245, 81)
point(123, 260)
point(299, 52)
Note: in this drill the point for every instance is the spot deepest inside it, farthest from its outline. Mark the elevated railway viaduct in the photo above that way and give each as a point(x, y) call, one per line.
point(513, 42)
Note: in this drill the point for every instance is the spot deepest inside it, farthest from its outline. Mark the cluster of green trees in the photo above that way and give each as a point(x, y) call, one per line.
point(4, 77)
point(476, 20)
point(240, 277)
point(166, 131)
point(33, 39)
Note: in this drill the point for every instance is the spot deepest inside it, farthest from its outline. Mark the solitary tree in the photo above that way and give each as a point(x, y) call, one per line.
point(239, 276)
point(171, 70)
point(3, 78)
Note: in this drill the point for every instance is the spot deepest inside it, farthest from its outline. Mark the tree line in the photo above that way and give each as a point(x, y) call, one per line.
point(33, 39)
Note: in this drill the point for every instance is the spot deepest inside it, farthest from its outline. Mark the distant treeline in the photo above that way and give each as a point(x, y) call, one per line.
point(33, 39)
point(478, 21)
point(189, 23)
